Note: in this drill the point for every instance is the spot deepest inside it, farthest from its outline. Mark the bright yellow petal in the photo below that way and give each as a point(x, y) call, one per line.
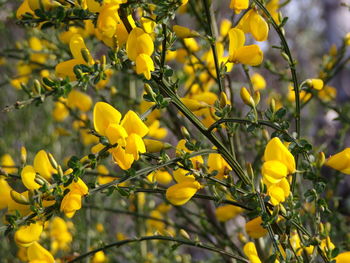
point(28, 178)
point(258, 27)
point(133, 124)
point(37, 253)
point(42, 165)
point(123, 159)
point(135, 145)
point(249, 55)
point(181, 193)
point(104, 115)
point(275, 150)
point(237, 40)
point(26, 235)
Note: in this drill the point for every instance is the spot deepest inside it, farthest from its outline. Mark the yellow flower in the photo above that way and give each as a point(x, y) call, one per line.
point(316, 84)
point(181, 193)
point(219, 164)
point(123, 159)
point(254, 23)
point(156, 224)
point(238, 53)
point(46, 4)
point(38, 254)
point(227, 212)
point(258, 81)
point(155, 131)
point(343, 257)
point(250, 251)
point(276, 151)
point(27, 235)
point(239, 5)
point(77, 48)
point(340, 161)
point(277, 191)
point(8, 163)
point(274, 171)
point(139, 48)
point(5, 190)
point(71, 202)
point(99, 257)
point(28, 175)
point(105, 115)
point(23, 8)
point(272, 6)
point(254, 228)
point(160, 176)
point(42, 165)
point(328, 93)
point(80, 100)
point(60, 111)
point(133, 124)
point(246, 97)
point(181, 147)
point(225, 26)
point(184, 32)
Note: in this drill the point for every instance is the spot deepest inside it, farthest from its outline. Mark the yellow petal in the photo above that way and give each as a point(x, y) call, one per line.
point(275, 150)
point(116, 134)
point(340, 161)
point(258, 27)
point(181, 193)
point(65, 69)
point(258, 81)
point(28, 178)
point(184, 32)
point(138, 43)
point(343, 257)
point(43, 166)
point(254, 228)
point(71, 202)
point(227, 212)
point(7, 160)
point(135, 145)
point(123, 159)
point(249, 55)
point(26, 235)
point(104, 115)
point(249, 249)
point(133, 124)
point(275, 169)
point(276, 193)
point(239, 5)
point(37, 253)
point(182, 175)
point(5, 190)
point(237, 40)
point(80, 100)
point(144, 65)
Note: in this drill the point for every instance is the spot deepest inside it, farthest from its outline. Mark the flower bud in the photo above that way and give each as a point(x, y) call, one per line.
point(246, 97)
point(184, 32)
point(153, 146)
point(23, 155)
point(184, 234)
point(185, 133)
point(316, 84)
point(52, 160)
point(19, 198)
point(223, 99)
point(86, 55)
point(256, 97)
point(321, 158)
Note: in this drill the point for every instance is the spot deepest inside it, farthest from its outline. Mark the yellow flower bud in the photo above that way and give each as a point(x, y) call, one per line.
point(340, 161)
point(227, 212)
point(247, 98)
point(316, 84)
point(193, 105)
point(153, 146)
point(239, 5)
point(181, 193)
point(184, 32)
point(250, 251)
point(258, 81)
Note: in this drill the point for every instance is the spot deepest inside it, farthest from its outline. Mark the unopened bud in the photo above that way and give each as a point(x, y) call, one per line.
point(185, 133)
point(256, 97)
point(149, 90)
point(192, 104)
point(19, 198)
point(321, 158)
point(184, 234)
point(247, 98)
point(283, 209)
point(52, 160)
point(59, 171)
point(223, 100)
point(153, 146)
point(265, 134)
point(321, 228)
point(23, 155)
point(285, 56)
point(184, 32)
point(37, 87)
point(316, 84)
point(86, 55)
point(39, 180)
point(103, 62)
point(273, 105)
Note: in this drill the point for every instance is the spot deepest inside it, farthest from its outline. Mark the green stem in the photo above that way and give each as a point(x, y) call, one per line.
point(164, 238)
point(212, 44)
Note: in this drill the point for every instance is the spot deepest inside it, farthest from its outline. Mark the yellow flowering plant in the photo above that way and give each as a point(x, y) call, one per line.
point(133, 129)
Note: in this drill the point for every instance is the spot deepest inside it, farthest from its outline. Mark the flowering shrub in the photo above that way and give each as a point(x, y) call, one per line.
point(149, 132)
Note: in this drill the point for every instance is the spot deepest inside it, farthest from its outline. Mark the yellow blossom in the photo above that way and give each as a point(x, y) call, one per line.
point(254, 23)
point(254, 228)
point(239, 5)
point(26, 235)
point(38, 254)
point(238, 53)
point(227, 212)
point(184, 32)
point(340, 161)
point(181, 193)
point(250, 251)
point(258, 81)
